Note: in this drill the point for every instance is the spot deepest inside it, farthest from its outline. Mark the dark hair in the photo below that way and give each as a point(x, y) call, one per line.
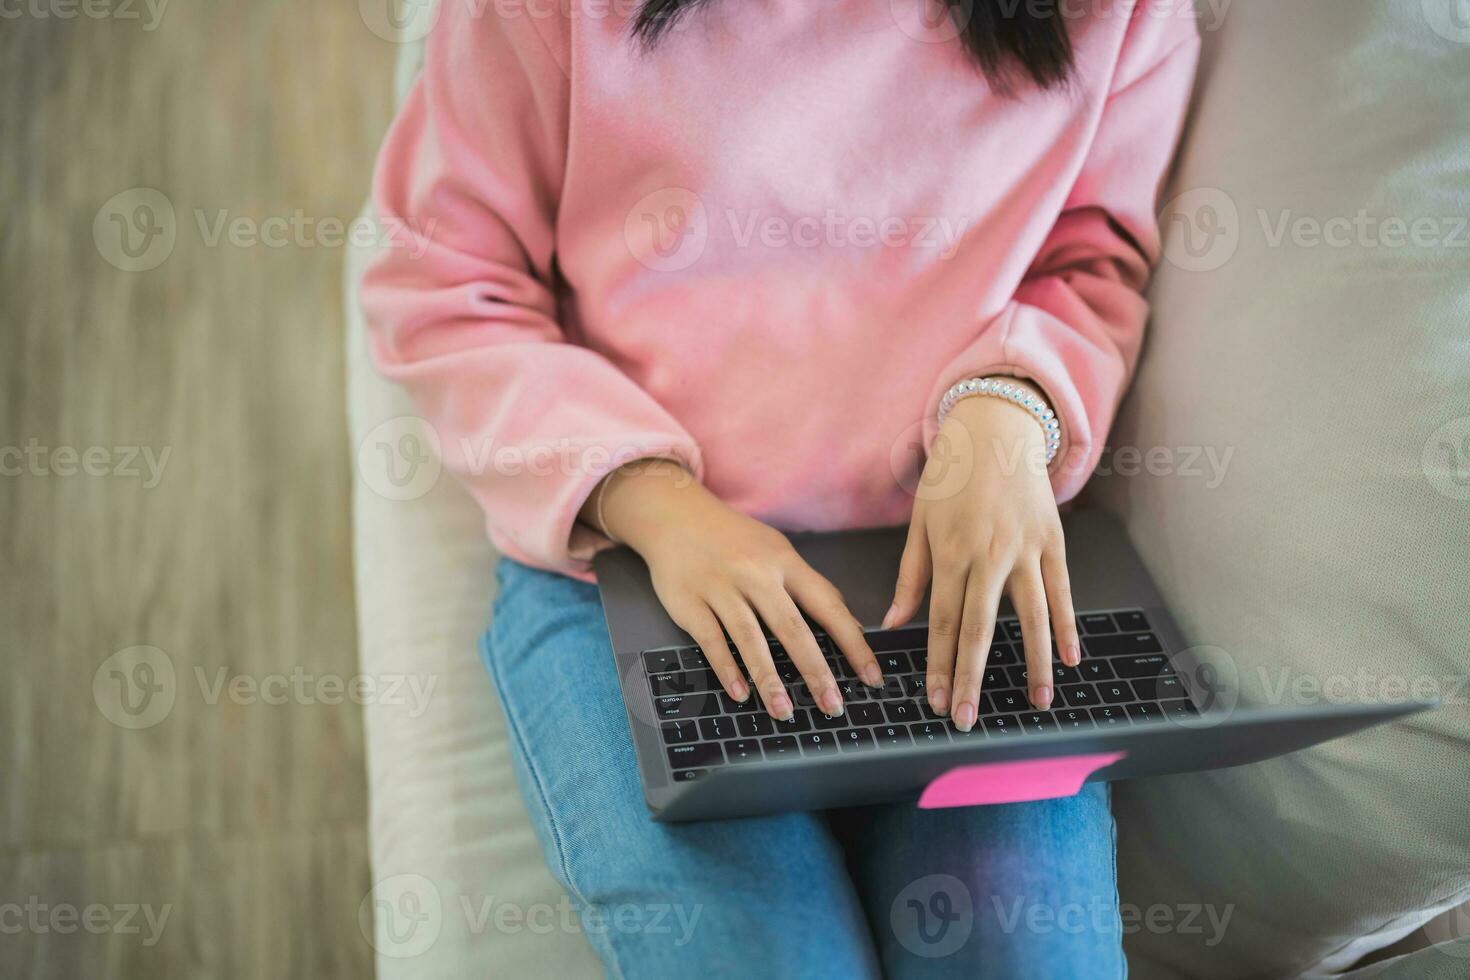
point(1001, 35)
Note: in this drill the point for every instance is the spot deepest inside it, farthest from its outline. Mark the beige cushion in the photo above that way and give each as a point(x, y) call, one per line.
point(459, 884)
point(1338, 541)
point(450, 836)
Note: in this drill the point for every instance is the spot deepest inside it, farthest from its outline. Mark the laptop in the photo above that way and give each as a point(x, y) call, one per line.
point(1141, 703)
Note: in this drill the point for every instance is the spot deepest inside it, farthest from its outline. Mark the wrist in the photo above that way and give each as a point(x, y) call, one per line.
point(636, 503)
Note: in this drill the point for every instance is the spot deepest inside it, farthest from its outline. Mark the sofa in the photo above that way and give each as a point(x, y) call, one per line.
point(1293, 463)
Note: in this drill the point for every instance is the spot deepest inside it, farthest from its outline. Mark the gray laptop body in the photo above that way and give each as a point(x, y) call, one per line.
point(895, 748)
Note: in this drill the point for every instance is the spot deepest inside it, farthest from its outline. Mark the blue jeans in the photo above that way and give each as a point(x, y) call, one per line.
point(1023, 890)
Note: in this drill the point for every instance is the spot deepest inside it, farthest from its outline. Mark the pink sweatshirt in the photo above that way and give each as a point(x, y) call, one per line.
point(766, 247)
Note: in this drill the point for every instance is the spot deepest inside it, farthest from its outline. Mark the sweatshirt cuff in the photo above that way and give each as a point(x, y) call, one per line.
point(563, 543)
point(1079, 382)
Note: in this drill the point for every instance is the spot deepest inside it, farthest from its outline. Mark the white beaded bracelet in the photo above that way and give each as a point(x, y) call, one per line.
point(1001, 388)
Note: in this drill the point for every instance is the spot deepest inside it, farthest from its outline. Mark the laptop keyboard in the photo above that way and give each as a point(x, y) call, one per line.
point(1124, 679)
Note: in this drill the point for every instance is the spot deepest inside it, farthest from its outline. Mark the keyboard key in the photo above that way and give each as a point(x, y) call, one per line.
point(1145, 712)
point(855, 738)
point(1110, 715)
point(799, 723)
point(683, 682)
point(743, 750)
point(998, 725)
point(920, 659)
point(895, 662)
point(975, 732)
point(781, 747)
point(901, 711)
point(892, 688)
point(1143, 665)
point(688, 775)
point(931, 732)
point(717, 728)
point(892, 736)
point(817, 743)
point(1062, 674)
point(693, 659)
point(695, 755)
point(870, 713)
point(1131, 622)
point(686, 706)
point(1183, 708)
point(732, 707)
point(678, 732)
point(1094, 623)
point(829, 723)
point(1115, 692)
point(660, 661)
point(752, 726)
point(907, 638)
point(1009, 700)
point(1095, 670)
point(1078, 695)
point(1073, 719)
point(914, 686)
point(1015, 677)
point(1122, 645)
point(1038, 722)
point(1003, 655)
point(852, 690)
point(1158, 688)
point(1011, 629)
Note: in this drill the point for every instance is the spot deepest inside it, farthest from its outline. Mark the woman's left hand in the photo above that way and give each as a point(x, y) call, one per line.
point(985, 522)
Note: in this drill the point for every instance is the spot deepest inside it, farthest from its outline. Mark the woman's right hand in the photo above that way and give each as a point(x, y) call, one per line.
point(714, 567)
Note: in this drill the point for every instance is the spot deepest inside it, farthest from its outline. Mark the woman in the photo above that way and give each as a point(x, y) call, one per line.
point(694, 271)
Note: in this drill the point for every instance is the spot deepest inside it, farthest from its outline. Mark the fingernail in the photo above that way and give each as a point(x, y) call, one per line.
point(939, 699)
point(781, 707)
point(964, 716)
point(1042, 697)
point(1073, 655)
point(741, 691)
point(888, 616)
point(831, 704)
point(872, 676)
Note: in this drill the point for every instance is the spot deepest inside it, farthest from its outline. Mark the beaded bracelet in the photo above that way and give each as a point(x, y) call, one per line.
point(1001, 388)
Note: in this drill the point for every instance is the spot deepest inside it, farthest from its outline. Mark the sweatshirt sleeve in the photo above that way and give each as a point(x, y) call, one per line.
point(461, 308)
point(1075, 324)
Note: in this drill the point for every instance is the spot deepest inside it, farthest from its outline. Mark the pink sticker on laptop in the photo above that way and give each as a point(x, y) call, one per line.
point(1014, 782)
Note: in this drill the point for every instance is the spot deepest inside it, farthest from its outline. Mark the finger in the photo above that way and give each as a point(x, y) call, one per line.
point(913, 577)
point(781, 614)
point(1028, 595)
point(699, 622)
point(982, 596)
point(824, 603)
point(946, 612)
point(1059, 599)
point(740, 622)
